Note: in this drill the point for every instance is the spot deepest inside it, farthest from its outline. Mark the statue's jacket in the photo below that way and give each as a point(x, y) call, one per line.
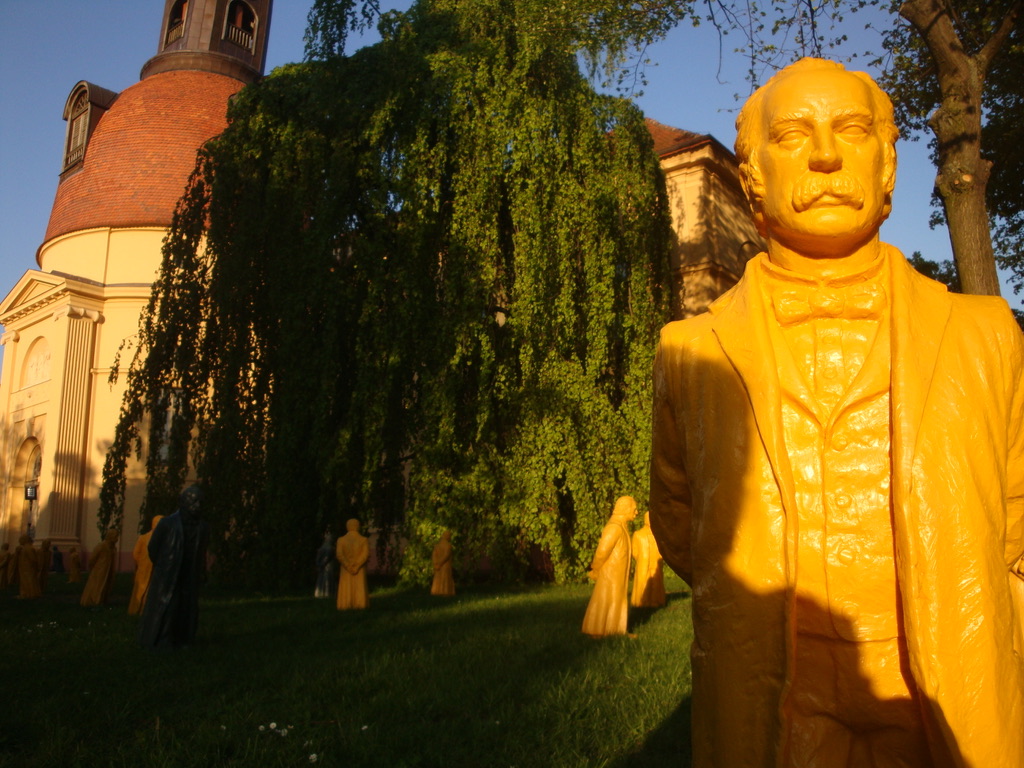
point(723, 510)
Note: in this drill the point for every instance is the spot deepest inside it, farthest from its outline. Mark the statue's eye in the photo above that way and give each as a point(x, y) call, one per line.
point(853, 130)
point(790, 138)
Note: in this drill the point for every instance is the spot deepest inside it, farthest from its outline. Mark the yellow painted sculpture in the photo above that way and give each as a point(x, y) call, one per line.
point(608, 609)
point(102, 567)
point(353, 552)
point(45, 555)
point(648, 575)
point(143, 569)
point(444, 581)
point(5, 562)
point(74, 566)
point(27, 558)
point(838, 470)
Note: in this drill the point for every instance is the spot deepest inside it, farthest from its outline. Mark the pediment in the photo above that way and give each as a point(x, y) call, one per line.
point(34, 288)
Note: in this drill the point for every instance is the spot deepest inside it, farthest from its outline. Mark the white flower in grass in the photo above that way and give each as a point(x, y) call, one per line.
point(263, 727)
point(313, 758)
point(364, 727)
point(283, 731)
point(273, 725)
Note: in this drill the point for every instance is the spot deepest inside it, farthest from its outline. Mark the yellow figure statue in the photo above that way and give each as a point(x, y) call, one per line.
point(12, 568)
point(838, 469)
point(143, 569)
point(608, 609)
point(74, 566)
point(5, 562)
point(27, 559)
point(444, 581)
point(45, 555)
point(102, 567)
point(648, 576)
point(353, 552)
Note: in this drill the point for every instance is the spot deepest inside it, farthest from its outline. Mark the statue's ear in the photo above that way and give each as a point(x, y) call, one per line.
point(753, 187)
point(889, 175)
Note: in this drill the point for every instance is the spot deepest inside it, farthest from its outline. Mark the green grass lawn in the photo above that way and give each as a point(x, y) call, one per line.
point(497, 676)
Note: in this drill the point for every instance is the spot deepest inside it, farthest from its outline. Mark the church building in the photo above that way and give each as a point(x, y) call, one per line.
point(126, 160)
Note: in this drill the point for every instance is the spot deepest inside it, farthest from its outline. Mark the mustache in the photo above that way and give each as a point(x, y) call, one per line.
point(843, 187)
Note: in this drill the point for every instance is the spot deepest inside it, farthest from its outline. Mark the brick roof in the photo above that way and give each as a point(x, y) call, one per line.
point(142, 151)
point(669, 140)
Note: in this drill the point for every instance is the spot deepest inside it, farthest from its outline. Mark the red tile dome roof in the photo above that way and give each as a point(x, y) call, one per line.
point(142, 151)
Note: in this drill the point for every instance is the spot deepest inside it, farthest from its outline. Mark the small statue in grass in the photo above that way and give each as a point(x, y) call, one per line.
point(444, 581)
point(45, 558)
point(5, 561)
point(58, 560)
point(27, 559)
point(74, 566)
point(608, 609)
point(177, 549)
point(353, 551)
point(648, 576)
point(102, 567)
point(326, 568)
point(143, 569)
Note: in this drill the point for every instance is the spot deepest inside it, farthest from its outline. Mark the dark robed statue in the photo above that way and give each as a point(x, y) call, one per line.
point(178, 551)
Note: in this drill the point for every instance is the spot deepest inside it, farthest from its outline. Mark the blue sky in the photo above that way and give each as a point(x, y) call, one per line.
point(46, 46)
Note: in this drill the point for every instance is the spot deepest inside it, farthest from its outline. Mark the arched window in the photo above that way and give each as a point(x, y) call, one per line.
point(176, 22)
point(78, 129)
point(85, 105)
point(240, 24)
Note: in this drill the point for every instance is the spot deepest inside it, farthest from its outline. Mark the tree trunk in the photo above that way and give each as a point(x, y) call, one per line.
point(963, 173)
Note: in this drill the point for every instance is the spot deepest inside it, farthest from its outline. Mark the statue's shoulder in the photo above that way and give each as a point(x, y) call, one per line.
point(699, 329)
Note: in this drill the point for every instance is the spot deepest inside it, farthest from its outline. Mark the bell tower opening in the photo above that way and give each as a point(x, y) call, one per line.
point(240, 26)
point(176, 21)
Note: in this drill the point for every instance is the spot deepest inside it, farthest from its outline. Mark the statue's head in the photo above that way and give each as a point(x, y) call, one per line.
point(155, 522)
point(112, 535)
point(352, 525)
point(24, 539)
point(817, 151)
point(447, 535)
point(191, 500)
point(625, 507)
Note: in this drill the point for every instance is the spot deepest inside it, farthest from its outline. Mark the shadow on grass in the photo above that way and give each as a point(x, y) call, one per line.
point(493, 676)
point(668, 745)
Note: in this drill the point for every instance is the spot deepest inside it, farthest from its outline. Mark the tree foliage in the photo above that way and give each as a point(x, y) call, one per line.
point(418, 285)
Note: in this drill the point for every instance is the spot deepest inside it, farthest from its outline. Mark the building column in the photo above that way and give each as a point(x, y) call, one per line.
point(67, 489)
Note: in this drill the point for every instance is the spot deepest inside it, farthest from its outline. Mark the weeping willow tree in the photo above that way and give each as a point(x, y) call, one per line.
point(420, 286)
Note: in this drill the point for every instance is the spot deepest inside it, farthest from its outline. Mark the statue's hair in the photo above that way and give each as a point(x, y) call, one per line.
point(750, 121)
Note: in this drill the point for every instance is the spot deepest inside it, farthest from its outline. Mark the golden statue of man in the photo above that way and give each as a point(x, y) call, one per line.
point(838, 469)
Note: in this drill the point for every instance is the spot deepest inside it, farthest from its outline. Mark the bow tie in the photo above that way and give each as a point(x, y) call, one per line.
point(858, 302)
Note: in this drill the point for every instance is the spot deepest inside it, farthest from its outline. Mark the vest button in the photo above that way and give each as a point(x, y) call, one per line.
point(839, 442)
point(842, 500)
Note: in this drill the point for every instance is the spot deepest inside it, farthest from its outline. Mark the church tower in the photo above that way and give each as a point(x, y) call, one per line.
point(126, 159)
point(228, 37)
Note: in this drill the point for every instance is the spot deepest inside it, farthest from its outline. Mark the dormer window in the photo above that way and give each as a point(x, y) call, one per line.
point(176, 22)
point(82, 110)
point(78, 129)
point(240, 24)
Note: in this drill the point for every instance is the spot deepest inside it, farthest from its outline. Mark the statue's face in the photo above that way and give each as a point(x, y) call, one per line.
point(822, 163)
point(191, 500)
